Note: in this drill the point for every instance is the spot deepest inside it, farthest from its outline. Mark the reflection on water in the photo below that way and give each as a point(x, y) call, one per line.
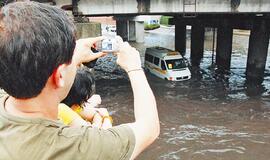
point(211, 116)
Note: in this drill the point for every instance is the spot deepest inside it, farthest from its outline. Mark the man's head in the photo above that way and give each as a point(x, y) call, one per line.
point(82, 89)
point(35, 39)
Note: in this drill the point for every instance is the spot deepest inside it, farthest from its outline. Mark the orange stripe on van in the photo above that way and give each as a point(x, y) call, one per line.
point(160, 70)
point(157, 69)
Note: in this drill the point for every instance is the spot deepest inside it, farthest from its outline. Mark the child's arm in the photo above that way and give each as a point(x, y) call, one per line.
point(106, 118)
point(69, 117)
point(88, 111)
point(98, 116)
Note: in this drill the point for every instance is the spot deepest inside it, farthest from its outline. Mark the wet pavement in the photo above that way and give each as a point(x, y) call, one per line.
point(211, 116)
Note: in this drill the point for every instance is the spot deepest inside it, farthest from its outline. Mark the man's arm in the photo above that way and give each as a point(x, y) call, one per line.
point(146, 126)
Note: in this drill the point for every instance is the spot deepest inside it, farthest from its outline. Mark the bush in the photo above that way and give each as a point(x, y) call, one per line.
point(164, 20)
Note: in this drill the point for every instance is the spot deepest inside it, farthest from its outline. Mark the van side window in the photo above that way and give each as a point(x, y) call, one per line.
point(156, 61)
point(163, 65)
point(149, 58)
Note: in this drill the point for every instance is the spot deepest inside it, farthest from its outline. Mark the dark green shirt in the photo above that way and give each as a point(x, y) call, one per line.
point(42, 139)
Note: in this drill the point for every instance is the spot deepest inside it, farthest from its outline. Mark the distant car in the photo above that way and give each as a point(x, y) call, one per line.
point(166, 64)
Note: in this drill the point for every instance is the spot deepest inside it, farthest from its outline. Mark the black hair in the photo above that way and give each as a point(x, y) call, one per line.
point(82, 89)
point(35, 39)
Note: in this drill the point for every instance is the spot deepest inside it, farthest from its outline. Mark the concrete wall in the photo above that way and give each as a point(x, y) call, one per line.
point(110, 7)
point(254, 6)
point(162, 5)
point(90, 29)
point(107, 6)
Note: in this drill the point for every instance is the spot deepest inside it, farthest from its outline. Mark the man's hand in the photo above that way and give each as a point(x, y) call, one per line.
point(128, 57)
point(83, 53)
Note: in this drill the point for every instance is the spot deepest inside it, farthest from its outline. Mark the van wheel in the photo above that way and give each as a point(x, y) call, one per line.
point(166, 79)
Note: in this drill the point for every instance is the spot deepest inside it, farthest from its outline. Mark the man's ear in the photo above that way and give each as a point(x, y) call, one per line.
point(58, 76)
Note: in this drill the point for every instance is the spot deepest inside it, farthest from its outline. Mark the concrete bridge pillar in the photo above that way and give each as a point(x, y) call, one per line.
point(131, 31)
point(197, 43)
point(122, 28)
point(224, 46)
point(180, 37)
point(139, 25)
point(257, 51)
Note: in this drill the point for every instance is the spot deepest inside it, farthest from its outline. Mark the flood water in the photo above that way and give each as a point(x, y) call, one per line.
point(210, 117)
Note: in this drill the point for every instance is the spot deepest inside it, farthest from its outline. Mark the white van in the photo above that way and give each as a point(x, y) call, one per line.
point(166, 64)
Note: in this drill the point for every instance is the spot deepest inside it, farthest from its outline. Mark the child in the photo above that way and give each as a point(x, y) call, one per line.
point(82, 100)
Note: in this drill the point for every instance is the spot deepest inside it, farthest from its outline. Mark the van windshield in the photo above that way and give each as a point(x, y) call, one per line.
point(176, 64)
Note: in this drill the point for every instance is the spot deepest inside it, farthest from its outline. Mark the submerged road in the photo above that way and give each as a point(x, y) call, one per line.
point(210, 117)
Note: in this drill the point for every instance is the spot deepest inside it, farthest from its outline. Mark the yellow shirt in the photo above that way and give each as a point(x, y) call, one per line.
point(66, 114)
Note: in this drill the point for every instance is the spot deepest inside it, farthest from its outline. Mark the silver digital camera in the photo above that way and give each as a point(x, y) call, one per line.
point(109, 45)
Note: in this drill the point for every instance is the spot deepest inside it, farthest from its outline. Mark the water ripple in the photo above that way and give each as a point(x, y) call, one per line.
point(219, 151)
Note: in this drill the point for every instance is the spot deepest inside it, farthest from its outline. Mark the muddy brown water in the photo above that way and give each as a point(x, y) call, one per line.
point(197, 121)
point(210, 117)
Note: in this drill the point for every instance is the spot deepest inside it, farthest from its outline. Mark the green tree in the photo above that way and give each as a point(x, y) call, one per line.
point(164, 20)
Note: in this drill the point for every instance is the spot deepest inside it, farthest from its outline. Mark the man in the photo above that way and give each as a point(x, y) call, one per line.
point(38, 61)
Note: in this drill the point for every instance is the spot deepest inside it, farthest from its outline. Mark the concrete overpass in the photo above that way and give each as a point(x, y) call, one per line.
point(221, 15)
point(138, 7)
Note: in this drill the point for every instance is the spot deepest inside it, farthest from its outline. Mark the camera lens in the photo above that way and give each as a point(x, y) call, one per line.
point(92, 64)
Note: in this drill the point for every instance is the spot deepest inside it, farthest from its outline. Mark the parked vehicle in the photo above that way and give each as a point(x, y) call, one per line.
point(151, 22)
point(166, 64)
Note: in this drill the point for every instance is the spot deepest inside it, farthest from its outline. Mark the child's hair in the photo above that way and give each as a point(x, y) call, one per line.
point(82, 89)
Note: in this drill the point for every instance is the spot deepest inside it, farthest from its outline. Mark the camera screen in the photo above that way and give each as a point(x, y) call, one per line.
point(107, 45)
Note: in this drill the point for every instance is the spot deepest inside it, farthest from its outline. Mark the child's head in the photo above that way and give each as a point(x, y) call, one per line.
point(82, 89)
